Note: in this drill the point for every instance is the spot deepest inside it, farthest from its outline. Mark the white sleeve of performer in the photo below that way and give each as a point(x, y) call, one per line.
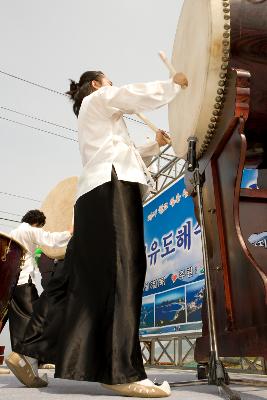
point(138, 97)
point(148, 151)
point(51, 239)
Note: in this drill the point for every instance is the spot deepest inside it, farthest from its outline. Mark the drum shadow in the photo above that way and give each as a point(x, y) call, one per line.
point(58, 387)
point(186, 393)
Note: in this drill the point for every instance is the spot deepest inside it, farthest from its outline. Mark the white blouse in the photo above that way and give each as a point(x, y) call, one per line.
point(31, 237)
point(103, 136)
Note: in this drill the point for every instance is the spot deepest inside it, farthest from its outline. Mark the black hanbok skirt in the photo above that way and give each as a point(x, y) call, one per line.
point(42, 332)
point(98, 336)
point(22, 305)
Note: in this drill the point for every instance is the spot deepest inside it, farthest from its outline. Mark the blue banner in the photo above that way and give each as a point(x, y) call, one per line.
point(173, 291)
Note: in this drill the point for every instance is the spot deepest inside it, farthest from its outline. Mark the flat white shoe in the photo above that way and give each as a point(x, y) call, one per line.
point(4, 370)
point(136, 389)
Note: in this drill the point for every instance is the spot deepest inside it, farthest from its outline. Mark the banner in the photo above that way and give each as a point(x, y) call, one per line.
point(173, 291)
point(250, 181)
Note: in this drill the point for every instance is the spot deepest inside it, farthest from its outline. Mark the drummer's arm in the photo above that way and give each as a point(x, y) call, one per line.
point(139, 97)
point(50, 239)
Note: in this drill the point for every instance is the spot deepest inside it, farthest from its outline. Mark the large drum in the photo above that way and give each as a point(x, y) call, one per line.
point(11, 259)
point(213, 36)
point(201, 50)
point(221, 45)
point(58, 209)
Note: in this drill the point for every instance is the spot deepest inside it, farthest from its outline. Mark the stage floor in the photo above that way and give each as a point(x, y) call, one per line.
point(11, 389)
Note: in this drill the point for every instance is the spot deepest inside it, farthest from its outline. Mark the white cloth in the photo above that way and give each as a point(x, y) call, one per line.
point(31, 237)
point(103, 136)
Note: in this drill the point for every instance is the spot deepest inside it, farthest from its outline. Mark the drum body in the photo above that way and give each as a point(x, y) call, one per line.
point(58, 209)
point(235, 136)
point(11, 259)
point(249, 52)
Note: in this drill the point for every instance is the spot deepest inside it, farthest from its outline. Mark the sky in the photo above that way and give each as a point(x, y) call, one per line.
point(48, 42)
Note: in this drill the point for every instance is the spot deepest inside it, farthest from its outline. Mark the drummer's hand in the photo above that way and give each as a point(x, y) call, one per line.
point(180, 79)
point(162, 138)
point(71, 230)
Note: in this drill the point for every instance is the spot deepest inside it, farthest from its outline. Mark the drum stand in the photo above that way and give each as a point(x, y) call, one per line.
point(217, 374)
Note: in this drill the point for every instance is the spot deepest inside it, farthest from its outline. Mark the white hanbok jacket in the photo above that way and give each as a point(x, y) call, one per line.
point(103, 136)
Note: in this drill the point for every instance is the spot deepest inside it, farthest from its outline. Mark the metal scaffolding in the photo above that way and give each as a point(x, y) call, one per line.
point(166, 168)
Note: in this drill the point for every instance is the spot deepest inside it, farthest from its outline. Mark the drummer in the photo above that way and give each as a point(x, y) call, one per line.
point(99, 338)
point(30, 234)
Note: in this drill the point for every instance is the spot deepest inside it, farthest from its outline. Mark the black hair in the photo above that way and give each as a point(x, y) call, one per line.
point(33, 217)
point(83, 88)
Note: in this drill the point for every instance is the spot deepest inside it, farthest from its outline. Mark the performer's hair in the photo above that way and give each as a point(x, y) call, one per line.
point(83, 88)
point(33, 217)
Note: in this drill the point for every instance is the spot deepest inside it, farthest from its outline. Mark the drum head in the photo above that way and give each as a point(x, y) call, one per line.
point(58, 209)
point(201, 51)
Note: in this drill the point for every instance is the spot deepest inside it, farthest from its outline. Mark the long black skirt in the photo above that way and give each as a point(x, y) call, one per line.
point(99, 339)
point(42, 333)
point(20, 310)
point(88, 317)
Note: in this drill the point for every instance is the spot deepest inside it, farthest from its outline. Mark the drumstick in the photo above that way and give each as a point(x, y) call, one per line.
point(145, 119)
point(169, 65)
point(152, 126)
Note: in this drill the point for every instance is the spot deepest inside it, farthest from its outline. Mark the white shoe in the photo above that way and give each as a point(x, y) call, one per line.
point(4, 371)
point(144, 388)
point(25, 371)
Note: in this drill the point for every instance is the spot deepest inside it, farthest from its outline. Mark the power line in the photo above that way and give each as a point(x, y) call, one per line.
point(55, 91)
point(135, 120)
point(58, 125)
point(10, 220)
point(38, 129)
point(33, 83)
point(37, 119)
point(53, 133)
point(10, 213)
point(20, 197)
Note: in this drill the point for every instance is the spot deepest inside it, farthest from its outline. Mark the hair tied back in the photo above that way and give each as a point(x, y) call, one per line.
point(78, 91)
point(74, 87)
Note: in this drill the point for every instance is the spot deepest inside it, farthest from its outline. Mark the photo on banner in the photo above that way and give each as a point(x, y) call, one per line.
point(249, 178)
point(258, 239)
point(174, 285)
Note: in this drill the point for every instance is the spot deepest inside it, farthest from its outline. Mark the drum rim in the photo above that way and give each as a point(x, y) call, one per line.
point(14, 240)
point(50, 252)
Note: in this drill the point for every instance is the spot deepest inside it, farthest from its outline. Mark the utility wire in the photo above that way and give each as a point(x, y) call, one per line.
point(57, 125)
point(10, 213)
point(37, 119)
point(32, 83)
point(38, 129)
point(20, 197)
point(55, 91)
point(53, 133)
point(135, 120)
point(10, 220)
